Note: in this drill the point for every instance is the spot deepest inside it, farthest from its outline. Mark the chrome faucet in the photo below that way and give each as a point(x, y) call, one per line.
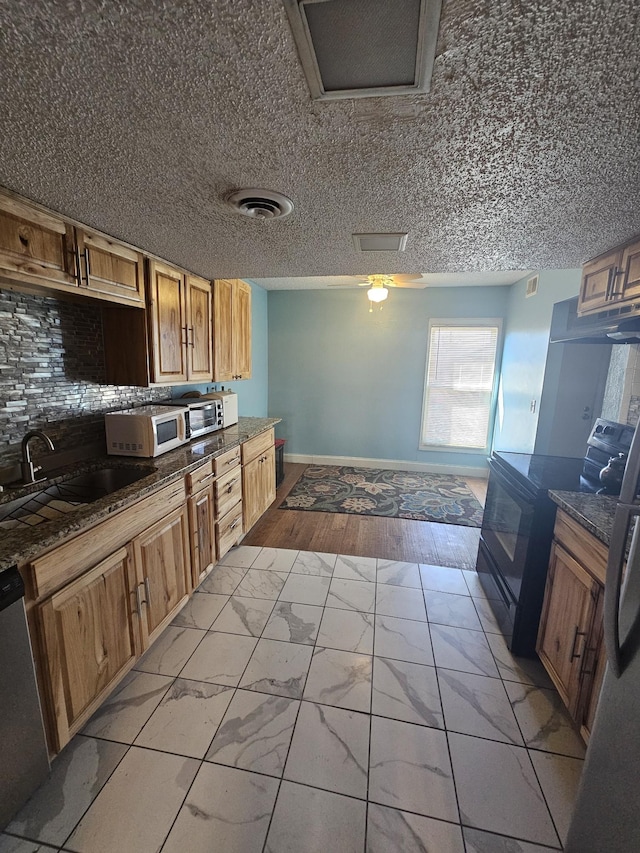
point(26, 466)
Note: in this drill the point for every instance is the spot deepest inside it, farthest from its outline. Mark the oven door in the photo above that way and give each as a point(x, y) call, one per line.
point(507, 526)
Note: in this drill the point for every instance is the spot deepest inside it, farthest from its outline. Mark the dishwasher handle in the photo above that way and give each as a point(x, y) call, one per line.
point(11, 587)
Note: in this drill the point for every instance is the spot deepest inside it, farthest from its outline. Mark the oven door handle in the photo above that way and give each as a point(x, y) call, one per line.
point(513, 486)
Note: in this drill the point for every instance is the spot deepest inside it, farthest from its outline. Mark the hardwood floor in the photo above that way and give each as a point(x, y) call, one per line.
point(366, 536)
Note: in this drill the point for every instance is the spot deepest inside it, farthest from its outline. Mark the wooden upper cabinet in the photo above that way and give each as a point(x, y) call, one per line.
point(610, 279)
point(167, 323)
point(199, 329)
point(232, 329)
point(36, 247)
point(109, 270)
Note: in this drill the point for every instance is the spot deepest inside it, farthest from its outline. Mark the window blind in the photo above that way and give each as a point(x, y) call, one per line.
point(459, 385)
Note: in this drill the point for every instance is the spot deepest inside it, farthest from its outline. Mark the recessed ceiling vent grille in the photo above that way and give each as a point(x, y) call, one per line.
point(260, 204)
point(365, 48)
point(380, 242)
point(532, 286)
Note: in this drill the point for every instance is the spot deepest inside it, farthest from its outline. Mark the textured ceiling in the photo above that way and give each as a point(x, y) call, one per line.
point(136, 118)
point(463, 279)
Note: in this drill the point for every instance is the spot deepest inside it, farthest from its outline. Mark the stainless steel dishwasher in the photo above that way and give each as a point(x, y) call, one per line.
point(24, 760)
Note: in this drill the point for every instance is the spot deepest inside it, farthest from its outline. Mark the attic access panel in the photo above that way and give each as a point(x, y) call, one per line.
point(365, 48)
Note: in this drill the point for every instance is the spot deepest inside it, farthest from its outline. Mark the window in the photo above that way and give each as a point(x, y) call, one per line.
point(459, 384)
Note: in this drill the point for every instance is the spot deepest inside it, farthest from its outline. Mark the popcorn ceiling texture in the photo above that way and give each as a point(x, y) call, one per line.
point(52, 374)
point(136, 117)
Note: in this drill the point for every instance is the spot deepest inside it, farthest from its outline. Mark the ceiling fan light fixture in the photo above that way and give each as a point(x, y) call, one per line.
point(377, 294)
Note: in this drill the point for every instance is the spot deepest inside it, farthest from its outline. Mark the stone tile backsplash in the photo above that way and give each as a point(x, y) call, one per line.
point(52, 374)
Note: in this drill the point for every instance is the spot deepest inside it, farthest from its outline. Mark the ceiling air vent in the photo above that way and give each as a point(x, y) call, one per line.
point(260, 204)
point(380, 242)
point(365, 48)
point(532, 286)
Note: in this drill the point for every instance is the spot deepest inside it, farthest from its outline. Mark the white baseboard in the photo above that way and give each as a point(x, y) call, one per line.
point(390, 464)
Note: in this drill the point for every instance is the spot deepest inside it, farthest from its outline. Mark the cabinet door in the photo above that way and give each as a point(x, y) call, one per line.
point(110, 270)
point(200, 329)
point(90, 638)
point(35, 247)
point(223, 367)
point(258, 487)
point(201, 522)
point(598, 282)
point(168, 323)
point(566, 622)
point(631, 271)
point(242, 331)
point(594, 664)
point(163, 567)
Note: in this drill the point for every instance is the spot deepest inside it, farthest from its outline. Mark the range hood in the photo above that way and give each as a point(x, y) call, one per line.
point(618, 326)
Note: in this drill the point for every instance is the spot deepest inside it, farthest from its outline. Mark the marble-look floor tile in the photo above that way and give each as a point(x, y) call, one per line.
point(402, 639)
point(485, 610)
point(242, 556)
point(461, 649)
point(220, 658)
point(255, 733)
point(124, 713)
point(275, 559)
point(346, 594)
point(226, 810)
point(399, 573)
point(314, 563)
point(498, 790)
point(77, 777)
point(329, 750)
point(443, 579)
point(477, 705)
point(409, 769)
point(200, 611)
point(544, 721)
point(305, 589)
point(340, 678)
point(406, 691)
point(445, 608)
point(400, 601)
point(11, 844)
point(223, 580)
point(246, 616)
point(135, 809)
point(258, 583)
point(186, 718)
point(306, 820)
point(559, 778)
point(355, 568)
point(485, 842)
point(277, 667)
point(170, 651)
point(294, 623)
point(348, 630)
point(393, 830)
point(520, 670)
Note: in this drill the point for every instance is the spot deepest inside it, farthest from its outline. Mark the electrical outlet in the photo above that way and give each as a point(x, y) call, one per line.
point(532, 406)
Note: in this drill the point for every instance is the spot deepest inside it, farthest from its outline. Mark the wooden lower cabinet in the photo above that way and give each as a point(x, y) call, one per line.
point(258, 486)
point(570, 642)
point(163, 568)
point(90, 638)
point(202, 532)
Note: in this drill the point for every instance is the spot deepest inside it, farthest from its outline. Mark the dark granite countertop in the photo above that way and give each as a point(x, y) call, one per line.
point(594, 512)
point(22, 543)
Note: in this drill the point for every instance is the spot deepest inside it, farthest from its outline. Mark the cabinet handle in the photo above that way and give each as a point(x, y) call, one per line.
point(78, 267)
point(87, 268)
point(614, 290)
point(208, 477)
point(577, 634)
point(147, 590)
point(232, 461)
point(190, 342)
point(185, 342)
point(235, 524)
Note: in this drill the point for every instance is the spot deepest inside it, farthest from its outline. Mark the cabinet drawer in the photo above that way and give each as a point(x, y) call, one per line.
point(229, 530)
point(200, 478)
point(589, 551)
point(67, 561)
point(257, 445)
point(222, 463)
point(228, 490)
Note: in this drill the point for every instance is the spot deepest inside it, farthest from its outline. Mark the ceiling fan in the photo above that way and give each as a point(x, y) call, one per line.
point(378, 284)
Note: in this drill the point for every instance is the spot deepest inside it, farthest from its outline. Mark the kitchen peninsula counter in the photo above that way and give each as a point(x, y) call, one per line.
point(593, 512)
point(21, 543)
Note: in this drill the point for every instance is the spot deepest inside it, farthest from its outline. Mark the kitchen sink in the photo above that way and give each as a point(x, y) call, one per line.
point(62, 498)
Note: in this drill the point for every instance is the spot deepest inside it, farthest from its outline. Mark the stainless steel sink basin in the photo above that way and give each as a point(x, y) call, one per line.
point(61, 498)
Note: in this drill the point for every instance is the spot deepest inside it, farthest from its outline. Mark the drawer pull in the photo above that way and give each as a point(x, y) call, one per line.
point(231, 461)
point(208, 477)
point(235, 524)
point(576, 634)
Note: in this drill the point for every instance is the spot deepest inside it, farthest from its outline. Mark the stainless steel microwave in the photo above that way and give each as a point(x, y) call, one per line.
point(203, 416)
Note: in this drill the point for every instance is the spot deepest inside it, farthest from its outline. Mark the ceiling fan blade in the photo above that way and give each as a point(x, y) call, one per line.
point(405, 278)
point(414, 285)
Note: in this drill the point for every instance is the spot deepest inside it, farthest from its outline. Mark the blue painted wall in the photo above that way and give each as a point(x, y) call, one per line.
point(350, 383)
point(526, 340)
point(252, 393)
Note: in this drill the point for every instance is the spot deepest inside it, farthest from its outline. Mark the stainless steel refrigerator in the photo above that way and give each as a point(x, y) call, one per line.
point(606, 817)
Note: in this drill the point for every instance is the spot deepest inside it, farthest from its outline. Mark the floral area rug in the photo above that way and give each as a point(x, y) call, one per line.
point(395, 494)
